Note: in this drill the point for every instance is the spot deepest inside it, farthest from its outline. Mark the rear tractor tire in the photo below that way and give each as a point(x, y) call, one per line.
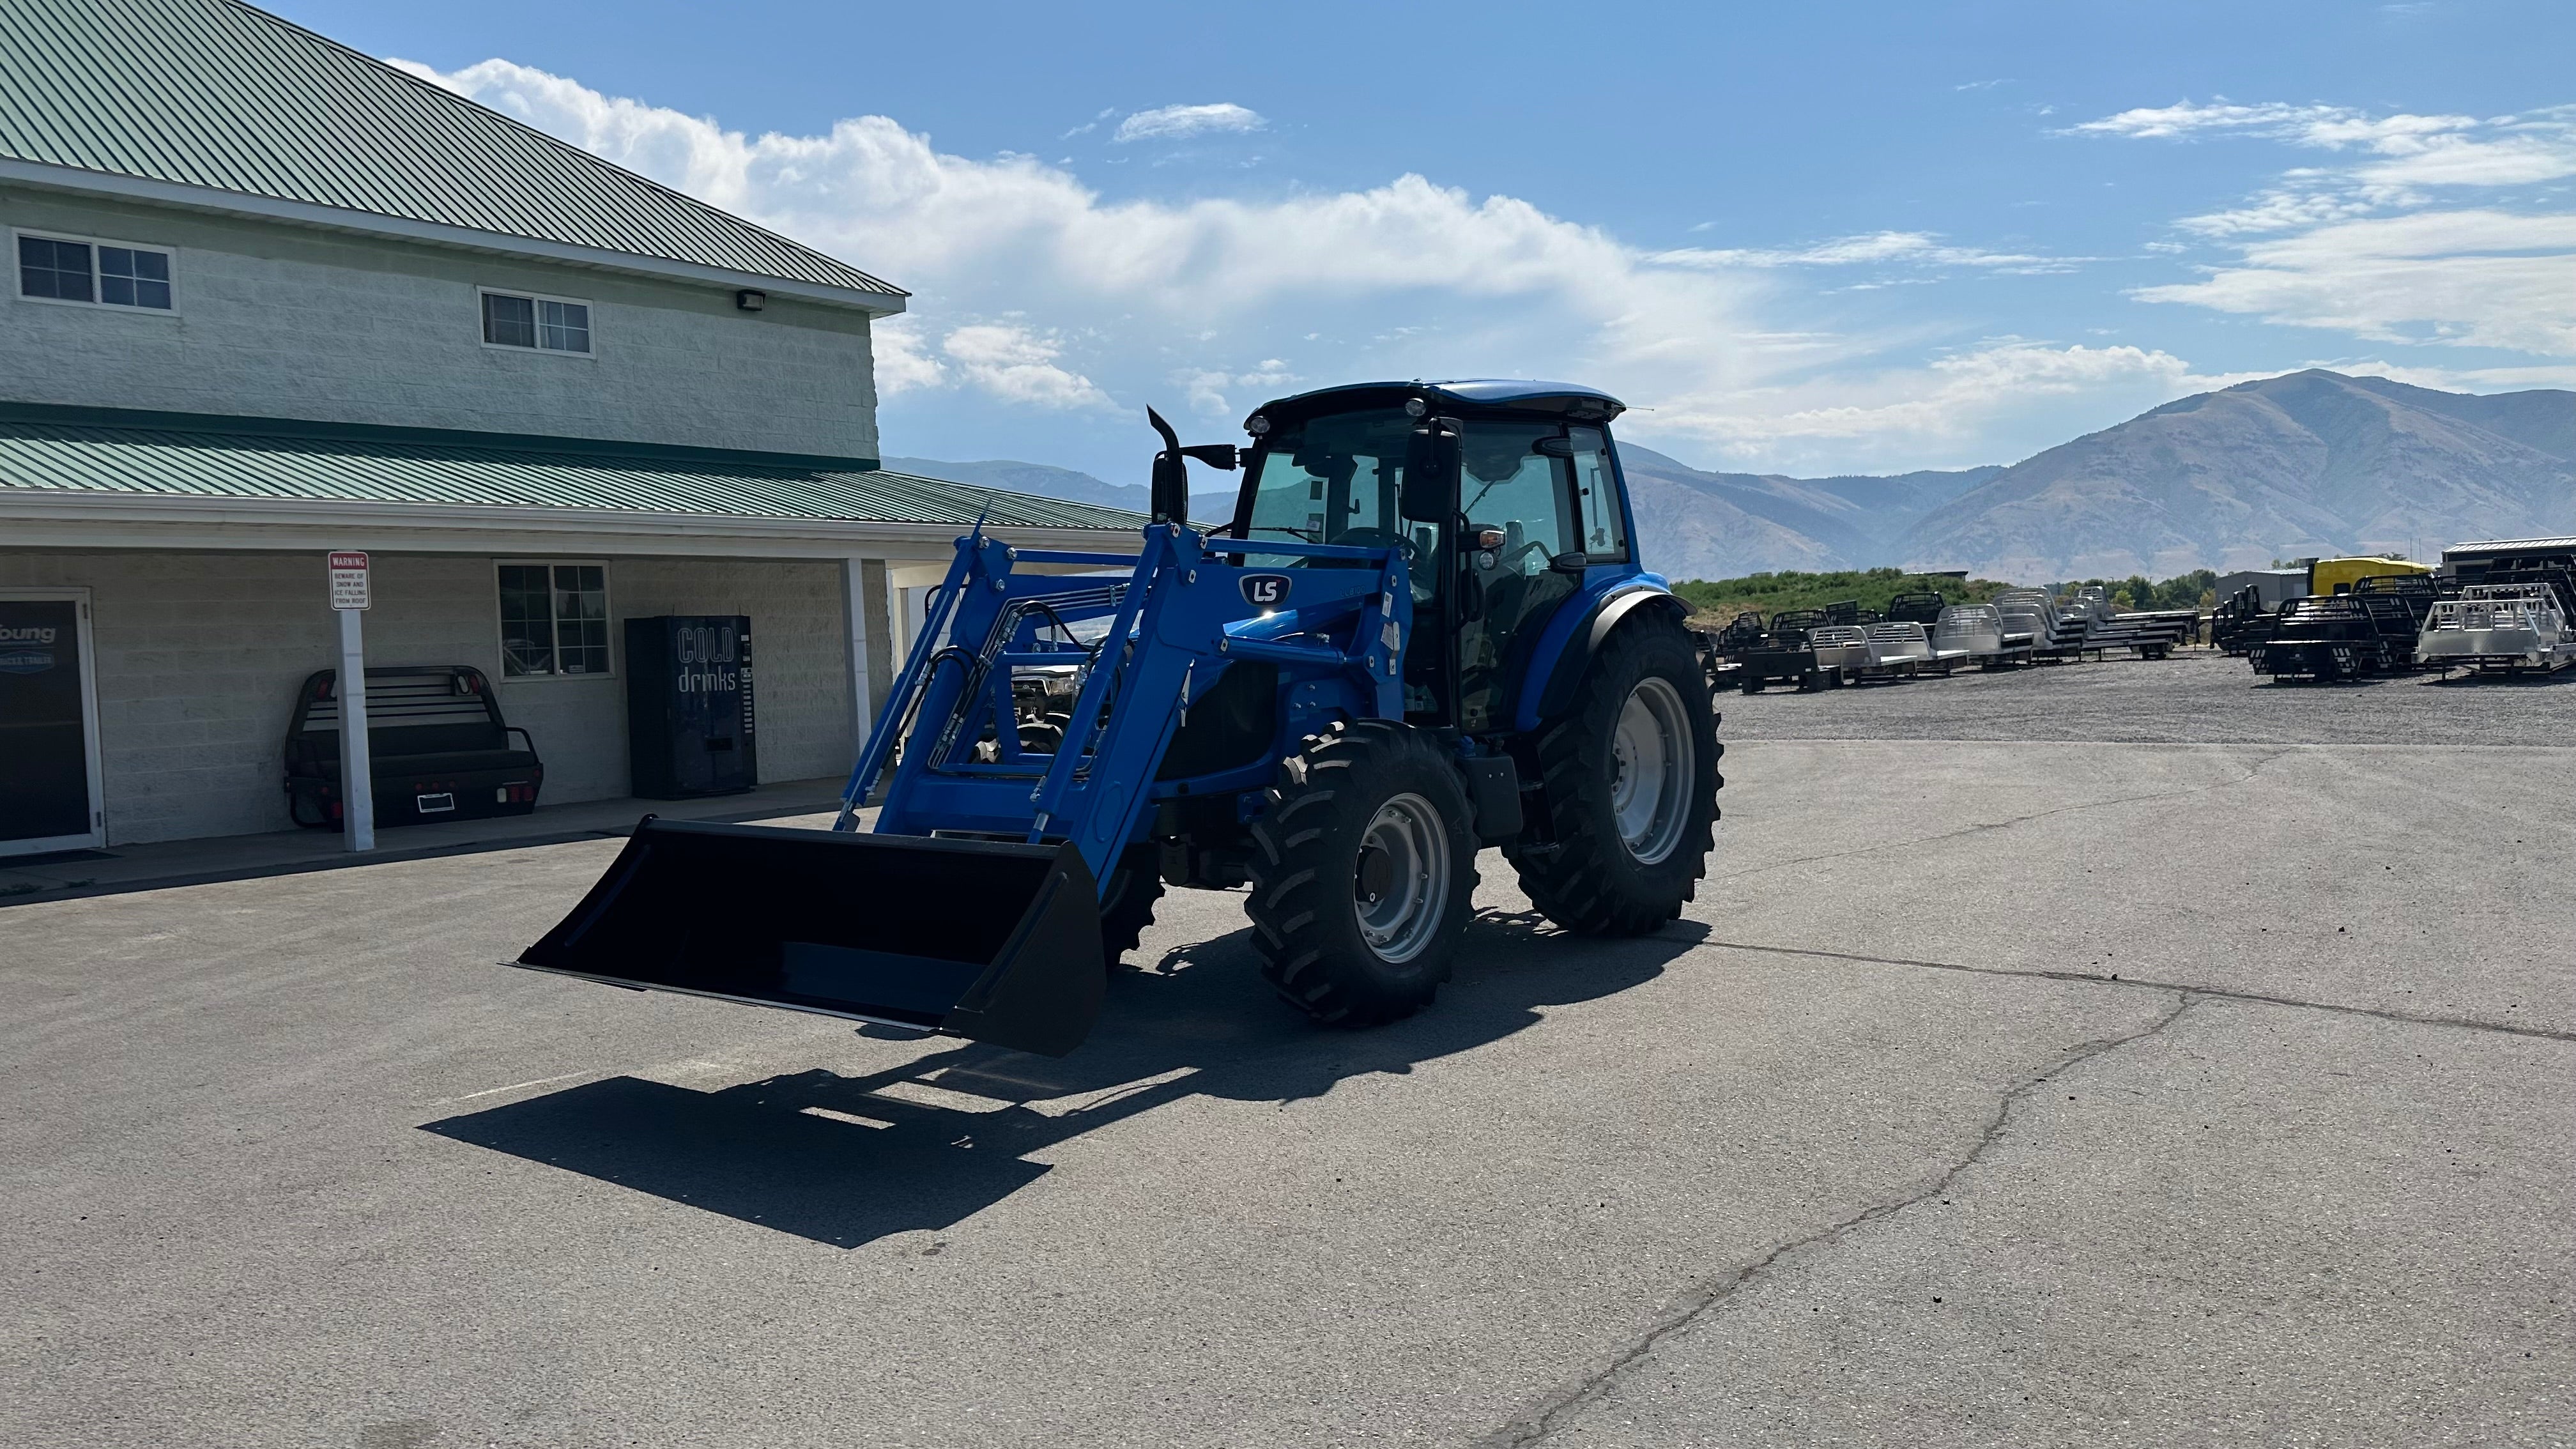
point(1632, 782)
point(1363, 873)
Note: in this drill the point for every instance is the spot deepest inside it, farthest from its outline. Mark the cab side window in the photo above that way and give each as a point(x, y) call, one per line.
point(1509, 484)
point(1596, 497)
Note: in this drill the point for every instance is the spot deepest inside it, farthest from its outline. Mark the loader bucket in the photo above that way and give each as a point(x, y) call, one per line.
point(999, 942)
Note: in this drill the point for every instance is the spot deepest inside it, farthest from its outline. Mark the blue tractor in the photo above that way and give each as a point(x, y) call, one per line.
point(1425, 631)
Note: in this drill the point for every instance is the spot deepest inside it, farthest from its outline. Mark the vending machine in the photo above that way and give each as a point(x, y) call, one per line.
point(689, 719)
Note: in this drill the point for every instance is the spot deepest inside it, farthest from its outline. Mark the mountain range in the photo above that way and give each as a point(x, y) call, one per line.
point(2310, 463)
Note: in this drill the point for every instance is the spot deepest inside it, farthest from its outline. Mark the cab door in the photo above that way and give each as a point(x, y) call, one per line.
point(49, 782)
point(1551, 491)
point(1516, 481)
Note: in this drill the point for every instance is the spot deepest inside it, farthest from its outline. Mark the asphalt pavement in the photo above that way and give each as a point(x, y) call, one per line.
point(2008, 1088)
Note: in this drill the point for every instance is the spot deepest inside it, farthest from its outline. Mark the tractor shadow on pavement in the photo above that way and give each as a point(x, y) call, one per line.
point(845, 1160)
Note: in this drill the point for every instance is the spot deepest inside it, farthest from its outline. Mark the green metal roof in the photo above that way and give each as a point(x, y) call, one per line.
point(212, 93)
point(99, 450)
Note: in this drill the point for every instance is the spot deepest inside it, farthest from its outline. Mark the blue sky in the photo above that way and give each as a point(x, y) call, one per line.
point(1804, 238)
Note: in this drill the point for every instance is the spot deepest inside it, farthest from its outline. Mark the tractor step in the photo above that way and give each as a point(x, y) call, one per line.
point(995, 941)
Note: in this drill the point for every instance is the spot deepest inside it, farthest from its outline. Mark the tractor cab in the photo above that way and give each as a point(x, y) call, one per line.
point(1504, 497)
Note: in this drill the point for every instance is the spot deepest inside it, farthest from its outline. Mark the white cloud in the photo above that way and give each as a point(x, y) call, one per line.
point(1912, 247)
point(1954, 397)
point(1034, 291)
point(1171, 122)
point(979, 239)
point(2476, 278)
point(2458, 379)
point(2283, 208)
point(2357, 248)
point(2412, 150)
point(902, 363)
point(1207, 389)
point(1016, 364)
point(2313, 125)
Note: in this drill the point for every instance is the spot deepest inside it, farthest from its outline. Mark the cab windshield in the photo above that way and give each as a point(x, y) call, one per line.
point(1335, 479)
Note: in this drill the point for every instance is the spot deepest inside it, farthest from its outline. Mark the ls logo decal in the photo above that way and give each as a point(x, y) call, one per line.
point(1265, 591)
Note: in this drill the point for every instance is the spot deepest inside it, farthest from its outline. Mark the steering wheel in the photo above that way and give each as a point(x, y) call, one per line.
point(1509, 562)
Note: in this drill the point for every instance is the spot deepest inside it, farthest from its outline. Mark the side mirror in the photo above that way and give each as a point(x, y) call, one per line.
point(1171, 490)
point(1169, 497)
point(1431, 472)
point(1570, 562)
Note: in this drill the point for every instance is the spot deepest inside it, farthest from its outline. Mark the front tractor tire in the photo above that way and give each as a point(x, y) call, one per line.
point(1362, 874)
point(1127, 906)
point(1631, 785)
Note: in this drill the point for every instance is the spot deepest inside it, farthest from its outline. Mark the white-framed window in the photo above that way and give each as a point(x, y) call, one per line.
point(554, 618)
point(89, 271)
point(532, 322)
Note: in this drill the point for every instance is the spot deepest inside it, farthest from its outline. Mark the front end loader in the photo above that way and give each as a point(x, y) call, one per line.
point(1425, 631)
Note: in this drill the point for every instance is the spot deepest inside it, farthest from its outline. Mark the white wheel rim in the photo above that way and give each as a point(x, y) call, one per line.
point(1400, 924)
point(1651, 759)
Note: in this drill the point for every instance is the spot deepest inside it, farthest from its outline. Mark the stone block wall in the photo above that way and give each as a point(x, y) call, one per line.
point(273, 320)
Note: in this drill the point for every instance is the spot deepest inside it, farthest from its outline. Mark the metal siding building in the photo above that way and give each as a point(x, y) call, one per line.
point(252, 320)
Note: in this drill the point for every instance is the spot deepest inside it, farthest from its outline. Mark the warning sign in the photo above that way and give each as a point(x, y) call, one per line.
point(348, 581)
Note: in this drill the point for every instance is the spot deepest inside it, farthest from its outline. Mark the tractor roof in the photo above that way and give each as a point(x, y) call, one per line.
point(1565, 398)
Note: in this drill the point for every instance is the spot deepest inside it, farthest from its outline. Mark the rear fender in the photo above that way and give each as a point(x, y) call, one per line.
point(1577, 633)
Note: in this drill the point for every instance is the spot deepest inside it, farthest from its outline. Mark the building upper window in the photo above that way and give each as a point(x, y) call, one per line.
point(100, 273)
point(545, 324)
point(554, 619)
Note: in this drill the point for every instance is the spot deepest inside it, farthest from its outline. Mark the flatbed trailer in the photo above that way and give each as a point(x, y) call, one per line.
point(2497, 629)
point(1904, 649)
point(2241, 621)
point(1842, 654)
point(1781, 654)
point(2053, 637)
point(1976, 633)
point(2147, 633)
point(2324, 639)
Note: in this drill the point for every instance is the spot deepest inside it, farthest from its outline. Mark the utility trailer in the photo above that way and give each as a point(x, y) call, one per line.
point(1427, 634)
point(2497, 628)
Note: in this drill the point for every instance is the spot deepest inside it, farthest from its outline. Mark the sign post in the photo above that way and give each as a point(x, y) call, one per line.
point(349, 599)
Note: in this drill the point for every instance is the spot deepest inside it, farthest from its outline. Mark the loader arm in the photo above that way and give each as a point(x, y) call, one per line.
point(1181, 615)
point(972, 907)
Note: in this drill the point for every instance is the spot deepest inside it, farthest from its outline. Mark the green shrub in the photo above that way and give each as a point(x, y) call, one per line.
point(1771, 592)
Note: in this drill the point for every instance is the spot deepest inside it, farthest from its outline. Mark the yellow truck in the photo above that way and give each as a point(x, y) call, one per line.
point(2330, 576)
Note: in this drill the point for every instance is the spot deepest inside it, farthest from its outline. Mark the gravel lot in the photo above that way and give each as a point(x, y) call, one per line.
point(2007, 1085)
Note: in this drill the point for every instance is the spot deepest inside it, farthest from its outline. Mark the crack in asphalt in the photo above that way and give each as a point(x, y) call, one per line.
point(1981, 826)
point(2092, 978)
point(1552, 1412)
